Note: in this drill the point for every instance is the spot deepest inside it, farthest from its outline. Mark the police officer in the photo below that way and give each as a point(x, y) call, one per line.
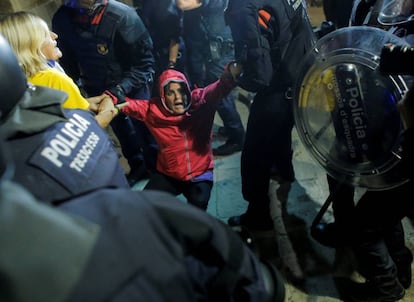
point(59, 153)
point(79, 251)
point(270, 38)
point(105, 45)
point(164, 22)
point(209, 48)
point(338, 11)
point(373, 227)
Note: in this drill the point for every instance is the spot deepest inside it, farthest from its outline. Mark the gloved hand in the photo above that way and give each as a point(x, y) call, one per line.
point(118, 93)
point(232, 71)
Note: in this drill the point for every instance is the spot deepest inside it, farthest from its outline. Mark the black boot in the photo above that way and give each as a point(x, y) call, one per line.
point(378, 289)
point(253, 223)
point(227, 148)
point(234, 142)
point(400, 254)
point(404, 270)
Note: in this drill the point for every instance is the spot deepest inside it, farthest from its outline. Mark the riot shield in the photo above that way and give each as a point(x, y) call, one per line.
point(346, 110)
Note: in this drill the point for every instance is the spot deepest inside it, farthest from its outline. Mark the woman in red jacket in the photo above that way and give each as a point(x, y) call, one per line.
point(181, 121)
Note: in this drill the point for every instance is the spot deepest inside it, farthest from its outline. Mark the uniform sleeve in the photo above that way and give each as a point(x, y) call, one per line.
point(150, 235)
point(252, 48)
point(197, 47)
point(134, 50)
point(61, 25)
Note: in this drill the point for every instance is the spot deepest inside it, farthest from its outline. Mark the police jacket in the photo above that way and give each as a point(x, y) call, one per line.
point(164, 250)
point(270, 54)
point(59, 153)
point(44, 251)
point(163, 20)
point(207, 39)
point(110, 47)
point(184, 140)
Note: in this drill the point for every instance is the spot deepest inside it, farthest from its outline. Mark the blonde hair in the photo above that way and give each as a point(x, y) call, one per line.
point(26, 34)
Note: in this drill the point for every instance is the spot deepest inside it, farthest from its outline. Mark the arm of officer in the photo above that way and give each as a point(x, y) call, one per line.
point(133, 48)
point(159, 233)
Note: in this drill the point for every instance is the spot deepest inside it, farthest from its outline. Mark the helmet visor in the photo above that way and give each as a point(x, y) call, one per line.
point(395, 12)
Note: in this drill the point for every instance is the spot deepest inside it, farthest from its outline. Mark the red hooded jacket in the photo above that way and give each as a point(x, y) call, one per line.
point(184, 141)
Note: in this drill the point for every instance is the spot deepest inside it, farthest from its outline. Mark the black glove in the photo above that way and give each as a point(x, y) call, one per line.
point(119, 93)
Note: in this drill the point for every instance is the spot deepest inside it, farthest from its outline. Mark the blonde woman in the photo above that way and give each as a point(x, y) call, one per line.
point(34, 44)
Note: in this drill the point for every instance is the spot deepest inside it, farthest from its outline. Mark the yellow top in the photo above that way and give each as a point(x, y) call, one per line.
point(53, 78)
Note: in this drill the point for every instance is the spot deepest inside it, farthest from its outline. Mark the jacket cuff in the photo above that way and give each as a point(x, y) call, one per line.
point(114, 98)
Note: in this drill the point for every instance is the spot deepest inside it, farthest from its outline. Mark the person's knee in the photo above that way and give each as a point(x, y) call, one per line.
point(200, 195)
point(200, 200)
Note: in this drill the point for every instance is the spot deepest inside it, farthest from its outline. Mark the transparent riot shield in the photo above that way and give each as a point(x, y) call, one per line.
point(346, 109)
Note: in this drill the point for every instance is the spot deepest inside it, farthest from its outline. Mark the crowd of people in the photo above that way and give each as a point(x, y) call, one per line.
point(157, 75)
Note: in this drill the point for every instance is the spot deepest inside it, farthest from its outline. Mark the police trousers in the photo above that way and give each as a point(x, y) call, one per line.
point(267, 148)
point(377, 232)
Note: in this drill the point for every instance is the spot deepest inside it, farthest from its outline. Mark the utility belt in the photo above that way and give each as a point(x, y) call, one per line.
point(220, 47)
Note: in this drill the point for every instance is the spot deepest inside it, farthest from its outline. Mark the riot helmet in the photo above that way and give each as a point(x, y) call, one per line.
point(394, 12)
point(13, 82)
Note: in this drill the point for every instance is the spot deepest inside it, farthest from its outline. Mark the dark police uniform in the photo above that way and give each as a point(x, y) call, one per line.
point(81, 252)
point(163, 241)
point(269, 56)
point(68, 153)
point(373, 227)
point(209, 48)
point(338, 11)
point(111, 47)
point(164, 22)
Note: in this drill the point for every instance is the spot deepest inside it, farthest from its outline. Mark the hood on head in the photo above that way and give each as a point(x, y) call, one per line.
point(172, 75)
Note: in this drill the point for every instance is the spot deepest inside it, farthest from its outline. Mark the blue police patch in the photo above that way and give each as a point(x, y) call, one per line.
point(71, 151)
